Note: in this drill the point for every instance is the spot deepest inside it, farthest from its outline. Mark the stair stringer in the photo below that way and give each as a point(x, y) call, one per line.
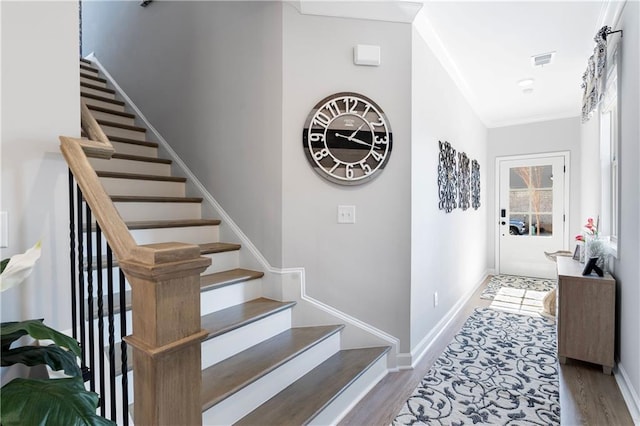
point(277, 283)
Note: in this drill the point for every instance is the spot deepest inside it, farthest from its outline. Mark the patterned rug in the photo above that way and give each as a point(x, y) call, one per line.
point(513, 281)
point(501, 368)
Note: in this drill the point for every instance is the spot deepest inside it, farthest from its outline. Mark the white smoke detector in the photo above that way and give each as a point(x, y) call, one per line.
point(542, 59)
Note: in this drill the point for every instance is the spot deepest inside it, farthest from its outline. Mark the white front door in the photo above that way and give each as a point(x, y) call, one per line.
point(531, 214)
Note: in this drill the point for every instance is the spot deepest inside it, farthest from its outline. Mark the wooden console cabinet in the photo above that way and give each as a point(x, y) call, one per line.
point(586, 315)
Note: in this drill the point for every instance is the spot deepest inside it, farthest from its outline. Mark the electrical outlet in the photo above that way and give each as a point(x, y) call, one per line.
point(435, 299)
point(346, 214)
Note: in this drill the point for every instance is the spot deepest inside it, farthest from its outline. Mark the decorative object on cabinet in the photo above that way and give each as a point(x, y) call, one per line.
point(475, 184)
point(347, 138)
point(464, 192)
point(447, 177)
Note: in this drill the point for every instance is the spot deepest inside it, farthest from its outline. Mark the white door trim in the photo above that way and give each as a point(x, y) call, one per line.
point(567, 193)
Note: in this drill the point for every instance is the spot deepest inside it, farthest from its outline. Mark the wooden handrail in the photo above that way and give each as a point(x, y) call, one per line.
point(98, 144)
point(165, 302)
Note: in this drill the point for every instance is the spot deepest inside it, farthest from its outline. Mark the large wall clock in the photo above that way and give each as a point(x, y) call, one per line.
point(347, 138)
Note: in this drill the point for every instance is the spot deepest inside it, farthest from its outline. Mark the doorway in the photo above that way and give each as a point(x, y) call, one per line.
point(531, 203)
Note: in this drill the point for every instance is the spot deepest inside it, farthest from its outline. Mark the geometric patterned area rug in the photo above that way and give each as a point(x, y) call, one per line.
point(501, 368)
point(513, 281)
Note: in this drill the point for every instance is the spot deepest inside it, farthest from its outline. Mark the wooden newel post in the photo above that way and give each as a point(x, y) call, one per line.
point(165, 284)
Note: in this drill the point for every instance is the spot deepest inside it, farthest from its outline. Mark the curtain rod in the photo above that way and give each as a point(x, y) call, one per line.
point(609, 32)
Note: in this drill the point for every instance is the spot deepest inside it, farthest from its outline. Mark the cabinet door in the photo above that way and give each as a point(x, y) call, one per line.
point(586, 320)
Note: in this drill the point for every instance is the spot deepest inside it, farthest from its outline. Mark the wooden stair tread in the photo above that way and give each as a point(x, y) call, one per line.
point(120, 125)
point(135, 176)
point(209, 248)
point(110, 111)
point(229, 319)
point(153, 199)
point(155, 224)
point(101, 98)
point(132, 141)
point(89, 68)
point(92, 77)
point(86, 61)
point(140, 158)
point(100, 88)
point(234, 373)
point(224, 278)
point(308, 396)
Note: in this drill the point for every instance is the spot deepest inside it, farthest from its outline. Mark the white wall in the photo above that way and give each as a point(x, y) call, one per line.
point(448, 250)
point(361, 269)
point(40, 92)
point(534, 138)
point(207, 75)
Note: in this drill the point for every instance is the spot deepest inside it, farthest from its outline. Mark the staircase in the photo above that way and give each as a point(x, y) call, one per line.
point(257, 368)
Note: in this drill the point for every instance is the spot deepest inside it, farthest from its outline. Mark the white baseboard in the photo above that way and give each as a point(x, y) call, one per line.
point(629, 394)
point(409, 361)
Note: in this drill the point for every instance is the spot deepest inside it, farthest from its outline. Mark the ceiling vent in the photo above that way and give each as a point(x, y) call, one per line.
point(542, 59)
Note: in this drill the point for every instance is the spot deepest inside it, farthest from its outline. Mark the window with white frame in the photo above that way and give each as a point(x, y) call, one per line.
point(609, 152)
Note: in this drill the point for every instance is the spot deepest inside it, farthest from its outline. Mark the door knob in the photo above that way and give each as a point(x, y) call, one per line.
point(503, 223)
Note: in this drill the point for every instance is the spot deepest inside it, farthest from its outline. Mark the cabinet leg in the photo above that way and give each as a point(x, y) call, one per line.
point(562, 359)
point(606, 370)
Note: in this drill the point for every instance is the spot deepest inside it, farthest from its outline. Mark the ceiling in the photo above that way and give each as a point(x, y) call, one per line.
point(487, 49)
point(486, 46)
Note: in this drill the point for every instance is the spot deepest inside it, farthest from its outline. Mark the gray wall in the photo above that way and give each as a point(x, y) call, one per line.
point(208, 76)
point(40, 92)
point(627, 270)
point(546, 136)
point(362, 269)
point(448, 250)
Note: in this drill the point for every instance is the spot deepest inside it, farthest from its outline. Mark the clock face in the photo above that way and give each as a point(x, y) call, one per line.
point(347, 138)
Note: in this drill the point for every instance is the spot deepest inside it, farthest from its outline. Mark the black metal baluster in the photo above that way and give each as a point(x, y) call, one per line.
point(90, 319)
point(123, 350)
point(100, 292)
point(72, 253)
point(112, 345)
point(82, 319)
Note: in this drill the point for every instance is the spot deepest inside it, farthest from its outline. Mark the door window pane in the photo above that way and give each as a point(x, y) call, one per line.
point(531, 201)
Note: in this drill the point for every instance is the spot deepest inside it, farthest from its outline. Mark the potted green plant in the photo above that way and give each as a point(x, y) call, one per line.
point(63, 401)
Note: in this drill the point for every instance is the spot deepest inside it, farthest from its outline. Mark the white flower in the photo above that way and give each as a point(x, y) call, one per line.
point(19, 267)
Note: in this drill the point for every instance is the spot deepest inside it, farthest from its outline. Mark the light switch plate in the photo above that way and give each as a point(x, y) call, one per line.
point(4, 229)
point(346, 214)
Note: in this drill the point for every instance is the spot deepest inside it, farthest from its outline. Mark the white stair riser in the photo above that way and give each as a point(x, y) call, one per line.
point(105, 289)
point(99, 115)
point(228, 344)
point(93, 82)
point(230, 295)
point(222, 261)
point(134, 211)
point(109, 105)
point(133, 149)
point(131, 166)
point(116, 186)
point(117, 336)
point(339, 407)
point(123, 133)
point(187, 234)
point(98, 92)
point(250, 397)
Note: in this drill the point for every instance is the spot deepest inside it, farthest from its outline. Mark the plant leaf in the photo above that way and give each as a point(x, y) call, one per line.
point(41, 402)
point(3, 264)
point(53, 356)
point(11, 331)
point(19, 267)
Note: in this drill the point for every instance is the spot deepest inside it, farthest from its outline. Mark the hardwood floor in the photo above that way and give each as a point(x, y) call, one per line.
point(587, 397)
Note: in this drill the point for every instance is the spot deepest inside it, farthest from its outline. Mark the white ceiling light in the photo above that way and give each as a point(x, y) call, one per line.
point(527, 82)
point(542, 59)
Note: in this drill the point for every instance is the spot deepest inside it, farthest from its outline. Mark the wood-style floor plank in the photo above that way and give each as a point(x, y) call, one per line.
point(587, 397)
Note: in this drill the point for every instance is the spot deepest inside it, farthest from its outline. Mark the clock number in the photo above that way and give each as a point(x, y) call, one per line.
point(335, 166)
point(379, 123)
point(319, 155)
point(321, 119)
point(316, 137)
point(366, 111)
point(365, 167)
point(349, 171)
point(378, 157)
point(350, 105)
point(333, 109)
point(382, 140)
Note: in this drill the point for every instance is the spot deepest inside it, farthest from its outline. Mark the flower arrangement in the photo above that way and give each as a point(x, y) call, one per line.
point(590, 229)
